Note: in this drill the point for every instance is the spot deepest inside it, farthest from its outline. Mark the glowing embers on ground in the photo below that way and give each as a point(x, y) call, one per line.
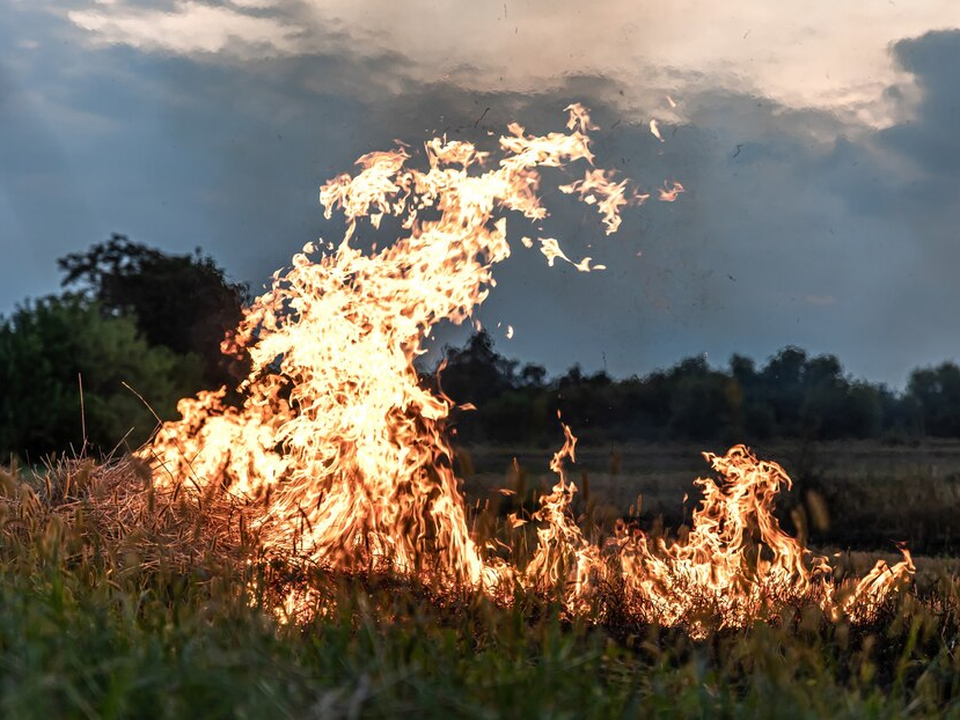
point(343, 448)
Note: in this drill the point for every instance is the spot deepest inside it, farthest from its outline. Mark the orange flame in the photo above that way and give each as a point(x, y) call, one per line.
point(345, 449)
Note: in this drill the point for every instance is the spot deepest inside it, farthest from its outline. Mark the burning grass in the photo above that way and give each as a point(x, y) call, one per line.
point(114, 605)
point(343, 449)
point(321, 524)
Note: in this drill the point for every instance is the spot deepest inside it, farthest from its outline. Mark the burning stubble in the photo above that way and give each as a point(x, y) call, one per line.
point(343, 450)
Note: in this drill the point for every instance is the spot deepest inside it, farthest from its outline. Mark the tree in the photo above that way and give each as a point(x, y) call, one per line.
point(47, 347)
point(182, 302)
point(476, 372)
point(783, 387)
point(533, 376)
point(699, 406)
point(752, 415)
point(936, 393)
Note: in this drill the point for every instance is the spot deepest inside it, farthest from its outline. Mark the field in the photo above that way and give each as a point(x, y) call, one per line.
point(867, 495)
point(125, 617)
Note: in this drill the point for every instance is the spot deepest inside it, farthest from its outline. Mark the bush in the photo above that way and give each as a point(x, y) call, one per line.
point(182, 302)
point(46, 347)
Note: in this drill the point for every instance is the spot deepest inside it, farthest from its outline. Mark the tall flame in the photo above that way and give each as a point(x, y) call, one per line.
point(345, 448)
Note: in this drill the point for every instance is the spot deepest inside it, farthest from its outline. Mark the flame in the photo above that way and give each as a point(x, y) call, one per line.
point(671, 191)
point(655, 130)
point(551, 250)
point(344, 448)
point(598, 188)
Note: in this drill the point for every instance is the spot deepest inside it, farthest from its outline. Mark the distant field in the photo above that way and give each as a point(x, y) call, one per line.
point(873, 494)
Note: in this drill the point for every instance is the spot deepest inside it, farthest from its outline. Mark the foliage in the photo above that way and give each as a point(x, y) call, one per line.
point(792, 396)
point(936, 393)
point(48, 347)
point(182, 302)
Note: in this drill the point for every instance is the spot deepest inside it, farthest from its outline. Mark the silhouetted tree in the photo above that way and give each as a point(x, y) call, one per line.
point(783, 388)
point(476, 372)
point(751, 414)
point(182, 302)
point(792, 396)
point(699, 408)
point(936, 392)
point(533, 376)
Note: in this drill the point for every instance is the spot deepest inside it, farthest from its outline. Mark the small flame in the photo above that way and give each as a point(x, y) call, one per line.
point(551, 250)
point(598, 188)
point(671, 191)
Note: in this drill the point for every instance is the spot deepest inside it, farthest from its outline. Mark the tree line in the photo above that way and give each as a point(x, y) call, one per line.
point(791, 396)
point(136, 329)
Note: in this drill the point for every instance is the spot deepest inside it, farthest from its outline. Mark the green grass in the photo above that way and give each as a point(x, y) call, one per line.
point(92, 627)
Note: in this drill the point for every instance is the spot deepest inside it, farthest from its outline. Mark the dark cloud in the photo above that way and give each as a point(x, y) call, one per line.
point(797, 226)
point(931, 140)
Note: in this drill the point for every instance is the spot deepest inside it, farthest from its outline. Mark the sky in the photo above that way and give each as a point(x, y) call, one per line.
point(817, 142)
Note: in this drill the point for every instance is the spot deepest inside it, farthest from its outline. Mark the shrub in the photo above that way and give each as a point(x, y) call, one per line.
point(48, 346)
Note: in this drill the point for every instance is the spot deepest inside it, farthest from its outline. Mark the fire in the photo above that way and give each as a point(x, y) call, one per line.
point(344, 450)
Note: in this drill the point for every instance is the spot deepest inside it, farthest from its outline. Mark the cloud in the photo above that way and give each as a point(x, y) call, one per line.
point(188, 28)
point(818, 53)
point(818, 210)
point(931, 140)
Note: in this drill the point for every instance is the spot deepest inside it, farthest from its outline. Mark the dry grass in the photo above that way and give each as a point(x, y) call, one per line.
point(119, 600)
point(853, 495)
point(110, 514)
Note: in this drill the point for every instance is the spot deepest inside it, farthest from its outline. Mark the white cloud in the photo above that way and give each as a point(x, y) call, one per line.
point(254, 4)
point(188, 29)
point(818, 53)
